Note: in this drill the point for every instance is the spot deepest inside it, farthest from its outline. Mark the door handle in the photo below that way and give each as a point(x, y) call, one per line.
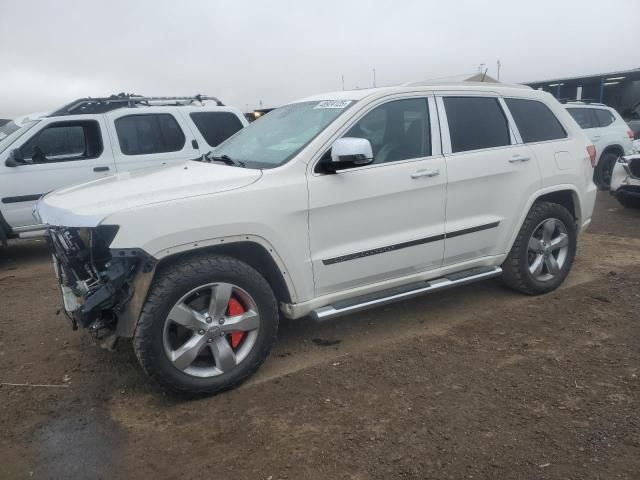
point(425, 173)
point(100, 169)
point(595, 137)
point(518, 158)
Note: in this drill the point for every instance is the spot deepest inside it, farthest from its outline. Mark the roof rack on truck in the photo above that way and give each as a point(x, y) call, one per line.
point(106, 104)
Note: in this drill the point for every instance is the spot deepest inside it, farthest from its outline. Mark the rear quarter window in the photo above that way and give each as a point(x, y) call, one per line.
point(605, 117)
point(584, 117)
point(535, 121)
point(216, 127)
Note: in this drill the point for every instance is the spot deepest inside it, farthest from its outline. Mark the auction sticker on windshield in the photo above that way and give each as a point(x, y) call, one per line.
point(333, 104)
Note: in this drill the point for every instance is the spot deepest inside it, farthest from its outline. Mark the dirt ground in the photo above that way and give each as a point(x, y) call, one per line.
point(477, 383)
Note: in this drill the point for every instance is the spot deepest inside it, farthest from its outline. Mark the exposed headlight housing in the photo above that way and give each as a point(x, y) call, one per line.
point(107, 233)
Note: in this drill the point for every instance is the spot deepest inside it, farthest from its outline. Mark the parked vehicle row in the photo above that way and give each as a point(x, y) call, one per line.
point(609, 133)
point(325, 206)
point(93, 138)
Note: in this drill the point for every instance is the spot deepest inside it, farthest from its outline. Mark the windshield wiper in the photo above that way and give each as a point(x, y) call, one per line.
point(226, 159)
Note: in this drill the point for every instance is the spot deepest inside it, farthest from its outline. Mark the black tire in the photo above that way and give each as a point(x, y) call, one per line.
point(604, 169)
point(515, 268)
point(169, 285)
point(628, 201)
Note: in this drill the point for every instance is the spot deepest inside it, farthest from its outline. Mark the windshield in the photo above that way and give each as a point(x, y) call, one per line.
point(277, 137)
point(11, 131)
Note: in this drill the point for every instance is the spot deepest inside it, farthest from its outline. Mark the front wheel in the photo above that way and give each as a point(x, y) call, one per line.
point(543, 252)
point(208, 324)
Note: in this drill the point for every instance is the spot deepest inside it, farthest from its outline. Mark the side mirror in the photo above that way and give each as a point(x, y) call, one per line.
point(15, 158)
point(350, 152)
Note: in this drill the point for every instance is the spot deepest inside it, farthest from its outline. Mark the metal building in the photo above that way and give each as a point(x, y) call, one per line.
point(620, 90)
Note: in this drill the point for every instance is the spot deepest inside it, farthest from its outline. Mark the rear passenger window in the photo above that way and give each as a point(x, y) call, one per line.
point(535, 121)
point(475, 123)
point(584, 117)
point(149, 133)
point(605, 118)
point(216, 127)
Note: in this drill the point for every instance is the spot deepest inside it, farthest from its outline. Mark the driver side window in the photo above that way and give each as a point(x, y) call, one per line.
point(63, 142)
point(398, 130)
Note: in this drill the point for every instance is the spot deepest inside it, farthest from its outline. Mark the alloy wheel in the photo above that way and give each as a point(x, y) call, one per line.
point(547, 250)
point(211, 329)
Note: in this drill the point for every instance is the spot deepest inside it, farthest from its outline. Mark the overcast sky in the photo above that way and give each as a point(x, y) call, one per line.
point(275, 51)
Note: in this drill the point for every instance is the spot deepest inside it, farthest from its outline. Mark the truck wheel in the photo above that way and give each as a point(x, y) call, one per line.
point(628, 201)
point(208, 324)
point(604, 169)
point(543, 252)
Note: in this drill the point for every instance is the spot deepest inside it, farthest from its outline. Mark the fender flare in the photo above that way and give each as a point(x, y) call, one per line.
point(540, 193)
point(171, 251)
point(128, 319)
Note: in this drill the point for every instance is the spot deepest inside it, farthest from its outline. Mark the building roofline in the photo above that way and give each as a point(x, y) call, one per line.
point(582, 77)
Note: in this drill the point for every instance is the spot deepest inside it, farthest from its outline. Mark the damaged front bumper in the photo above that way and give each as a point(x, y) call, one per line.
point(102, 289)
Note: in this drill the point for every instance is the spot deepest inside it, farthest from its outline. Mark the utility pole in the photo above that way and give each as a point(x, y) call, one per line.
point(499, 65)
point(374, 78)
point(481, 67)
point(342, 82)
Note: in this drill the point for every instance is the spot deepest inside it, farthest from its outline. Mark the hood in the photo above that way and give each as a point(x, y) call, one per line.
point(87, 204)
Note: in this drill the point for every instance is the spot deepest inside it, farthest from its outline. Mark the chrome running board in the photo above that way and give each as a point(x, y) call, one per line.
point(345, 307)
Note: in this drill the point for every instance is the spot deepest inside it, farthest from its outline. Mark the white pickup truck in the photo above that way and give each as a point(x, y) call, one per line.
point(92, 138)
point(325, 206)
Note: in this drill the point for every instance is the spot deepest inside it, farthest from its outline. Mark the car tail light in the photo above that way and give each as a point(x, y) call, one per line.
point(630, 134)
point(591, 150)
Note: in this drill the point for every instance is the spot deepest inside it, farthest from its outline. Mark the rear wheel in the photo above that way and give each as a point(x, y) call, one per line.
point(543, 252)
point(604, 169)
point(207, 325)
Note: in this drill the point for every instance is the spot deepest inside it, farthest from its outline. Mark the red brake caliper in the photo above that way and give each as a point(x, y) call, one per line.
point(235, 308)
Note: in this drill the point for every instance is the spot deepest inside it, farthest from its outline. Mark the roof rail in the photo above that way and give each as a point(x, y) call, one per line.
point(106, 104)
point(582, 101)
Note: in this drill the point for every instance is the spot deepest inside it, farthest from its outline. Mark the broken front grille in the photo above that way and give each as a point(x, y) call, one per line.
point(634, 167)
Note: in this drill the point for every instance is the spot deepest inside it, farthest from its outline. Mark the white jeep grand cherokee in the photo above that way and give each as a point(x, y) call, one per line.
point(325, 206)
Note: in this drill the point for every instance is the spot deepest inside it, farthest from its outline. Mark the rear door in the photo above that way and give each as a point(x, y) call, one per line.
point(58, 153)
point(490, 175)
point(150, 139)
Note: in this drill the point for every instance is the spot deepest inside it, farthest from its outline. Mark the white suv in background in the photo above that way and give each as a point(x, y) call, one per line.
point(92, 138)
point(609, 133)
point(325, 206)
